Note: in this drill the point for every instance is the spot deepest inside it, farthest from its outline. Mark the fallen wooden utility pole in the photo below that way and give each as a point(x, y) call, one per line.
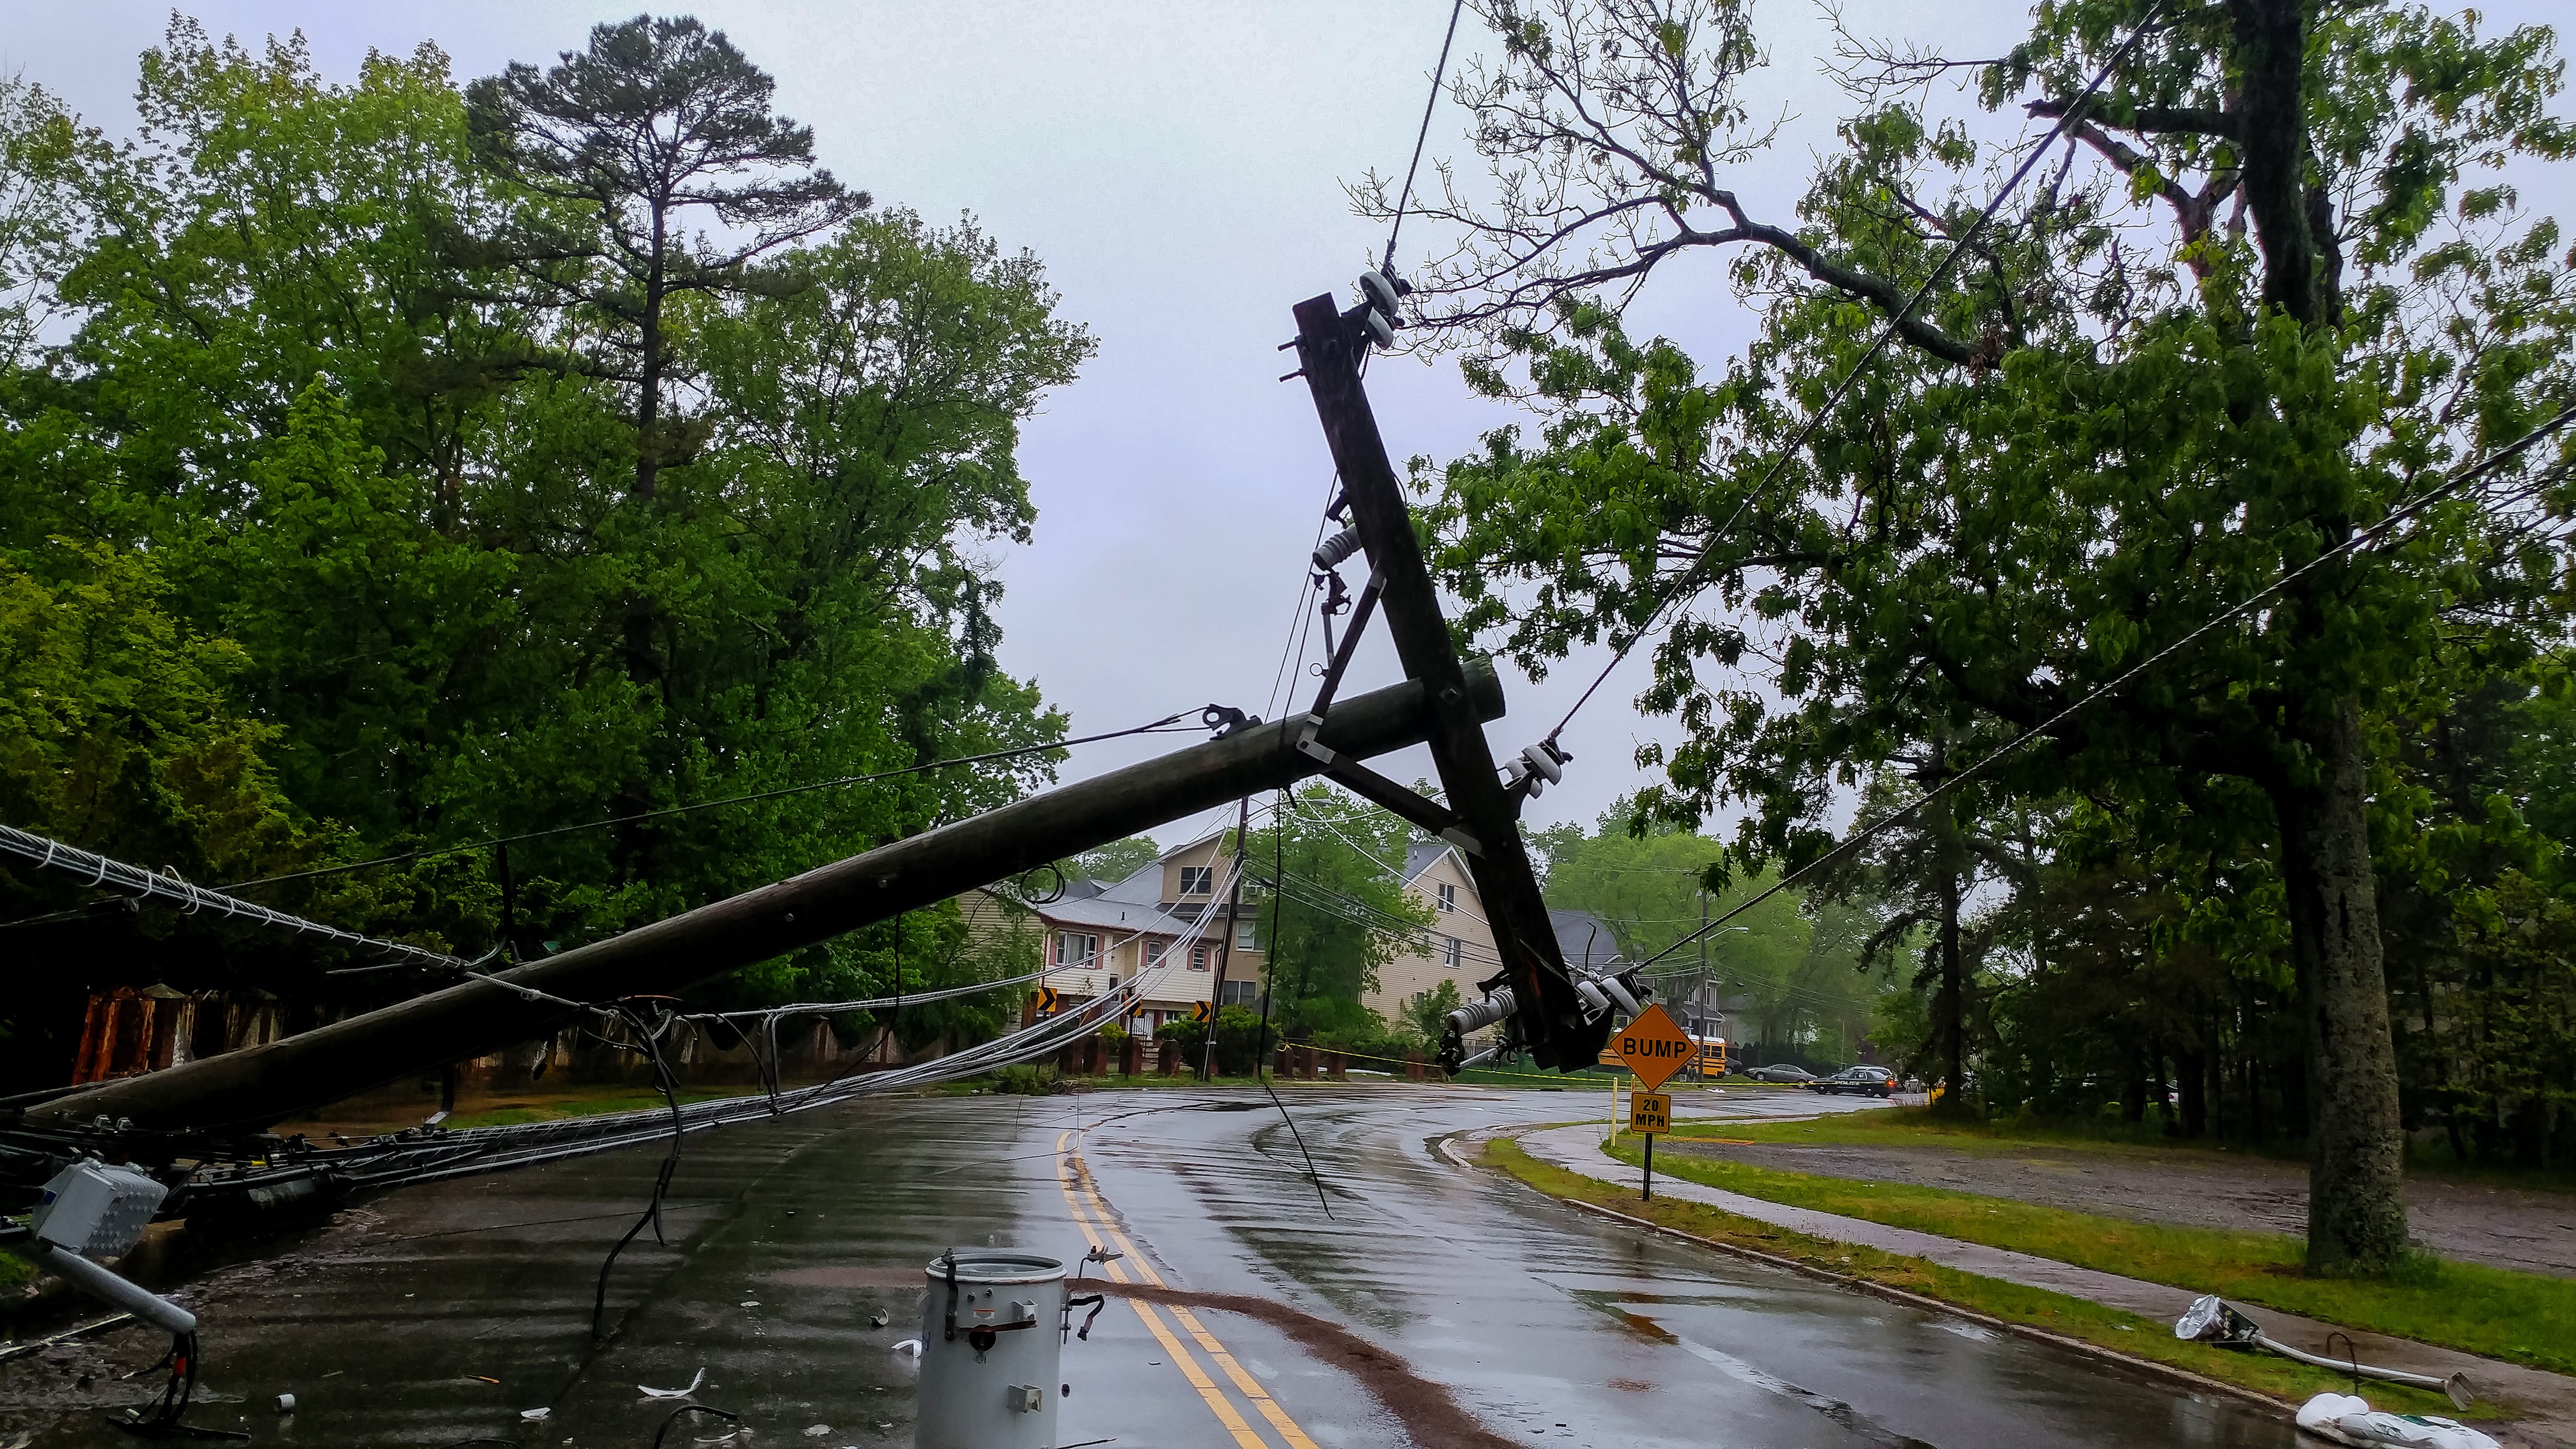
point(251, 1088)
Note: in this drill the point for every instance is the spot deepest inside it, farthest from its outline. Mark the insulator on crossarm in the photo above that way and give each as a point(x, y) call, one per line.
point(1382, 292)
point(1337, 548)
point(1619, 993)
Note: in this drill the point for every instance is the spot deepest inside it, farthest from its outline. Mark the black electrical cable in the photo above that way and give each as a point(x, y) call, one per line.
point(1261, 1042)
point(2458, 480)
point(652, 1214)
point(1877, 344)
point(1169, 724)
point(1429, 104)
point(686, 1409)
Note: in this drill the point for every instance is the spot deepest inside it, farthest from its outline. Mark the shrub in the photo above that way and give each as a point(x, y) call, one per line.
point(1027, 1080)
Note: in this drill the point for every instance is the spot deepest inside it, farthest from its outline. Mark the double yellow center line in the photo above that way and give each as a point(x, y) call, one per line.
point(1101, 1230)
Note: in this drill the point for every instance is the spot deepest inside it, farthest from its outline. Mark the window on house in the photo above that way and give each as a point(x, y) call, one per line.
point(1448, 896)
point(1240, 993)
point(1199, 956)
point(1449, 952)
point(1154, 953)
point(1076, 950)
point(1247, 934)
point(1198, 880)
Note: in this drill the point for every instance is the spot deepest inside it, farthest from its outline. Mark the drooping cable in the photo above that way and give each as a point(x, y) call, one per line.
point(670, 1085)
point(1261, 1042)
point(1168, 724)
point(133, 880)
point(2458, 480)
point(1682, 583)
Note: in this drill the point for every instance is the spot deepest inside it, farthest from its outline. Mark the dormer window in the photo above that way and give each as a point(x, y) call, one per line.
point(1198, 880)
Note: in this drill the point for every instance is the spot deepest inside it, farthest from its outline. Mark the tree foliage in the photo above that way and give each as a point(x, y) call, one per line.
point(320, 531)
point(2264, 293)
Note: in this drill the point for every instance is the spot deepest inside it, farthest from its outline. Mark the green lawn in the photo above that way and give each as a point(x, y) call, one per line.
point(2524, 1317)
point(2057, 1313)
point(582, 1104)
point(1917, 1127)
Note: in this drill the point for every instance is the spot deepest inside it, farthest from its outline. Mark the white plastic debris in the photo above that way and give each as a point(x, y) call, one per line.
point(533, 1415)
point(879, 1321)
point(286, 1403)
point(2349, 1419)
point(911, 1346)
point(817, 1431)
point(654, 1393)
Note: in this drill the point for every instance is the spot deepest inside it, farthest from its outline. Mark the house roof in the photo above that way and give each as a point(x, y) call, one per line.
point(1421, 855)
point(1110, 915)
point(1585, 940)
point(1144, 888)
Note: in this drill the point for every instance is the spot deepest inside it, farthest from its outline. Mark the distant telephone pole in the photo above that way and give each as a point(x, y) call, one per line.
point(1225, 948)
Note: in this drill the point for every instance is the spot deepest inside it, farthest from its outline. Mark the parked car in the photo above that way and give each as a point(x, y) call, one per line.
point(1863, 1081)
point(1783, 1072)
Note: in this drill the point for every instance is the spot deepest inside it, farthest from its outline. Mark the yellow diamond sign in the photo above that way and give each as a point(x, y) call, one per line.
point(1654, 1047)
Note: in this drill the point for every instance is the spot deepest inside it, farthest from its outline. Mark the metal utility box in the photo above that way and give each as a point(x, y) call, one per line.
point(96, 1210)
point(991, 1346)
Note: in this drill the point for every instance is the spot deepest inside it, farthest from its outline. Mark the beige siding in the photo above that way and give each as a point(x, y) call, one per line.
point(1416, 970)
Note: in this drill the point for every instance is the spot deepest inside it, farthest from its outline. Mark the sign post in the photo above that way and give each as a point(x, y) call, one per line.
point(1654, 1047)
point(1649, 1115)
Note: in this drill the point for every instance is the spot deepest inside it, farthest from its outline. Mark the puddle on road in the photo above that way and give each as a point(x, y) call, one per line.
point(851, 1276)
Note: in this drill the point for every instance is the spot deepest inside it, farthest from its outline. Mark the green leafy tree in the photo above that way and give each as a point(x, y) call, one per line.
point(1336, 910)
point(380, 464)
point(654, 119)
point(1649, 880)
point(1117, 860)
point(2118, 418)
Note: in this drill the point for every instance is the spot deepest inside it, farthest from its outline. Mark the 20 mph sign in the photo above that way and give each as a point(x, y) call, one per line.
point(1654, 1047)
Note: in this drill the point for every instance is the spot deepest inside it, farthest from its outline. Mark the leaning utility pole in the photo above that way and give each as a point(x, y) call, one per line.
point(1481, 817)
point(258, 1085)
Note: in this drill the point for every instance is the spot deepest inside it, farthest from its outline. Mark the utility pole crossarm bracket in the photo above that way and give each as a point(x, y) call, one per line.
point(1551, 1015)
point(1424, 814)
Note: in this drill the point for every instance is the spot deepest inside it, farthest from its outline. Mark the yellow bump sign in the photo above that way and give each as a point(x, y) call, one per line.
point(1654, 1047)
point(1650, 1112)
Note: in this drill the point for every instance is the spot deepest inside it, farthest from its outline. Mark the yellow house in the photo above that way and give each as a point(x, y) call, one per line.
point(1167, 924)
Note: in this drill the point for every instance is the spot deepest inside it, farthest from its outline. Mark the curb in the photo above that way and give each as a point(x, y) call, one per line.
point(2089, 1349)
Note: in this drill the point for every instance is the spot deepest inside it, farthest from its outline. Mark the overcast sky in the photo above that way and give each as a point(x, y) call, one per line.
point(1179, 169)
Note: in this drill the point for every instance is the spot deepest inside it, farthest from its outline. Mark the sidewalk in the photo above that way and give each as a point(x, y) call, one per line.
point(2542, 1402)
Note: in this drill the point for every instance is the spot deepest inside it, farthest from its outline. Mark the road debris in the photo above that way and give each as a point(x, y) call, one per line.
point(653, 1393)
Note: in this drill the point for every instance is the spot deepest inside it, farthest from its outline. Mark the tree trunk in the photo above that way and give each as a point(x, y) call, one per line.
point(1949, 1003)
point(2356, 1207)
point(2191, 1078)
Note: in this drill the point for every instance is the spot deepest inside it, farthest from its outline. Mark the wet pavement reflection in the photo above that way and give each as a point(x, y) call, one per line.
point(440, 1314)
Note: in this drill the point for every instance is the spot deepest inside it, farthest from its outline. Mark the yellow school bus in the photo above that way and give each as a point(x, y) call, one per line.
point(1711, 1058)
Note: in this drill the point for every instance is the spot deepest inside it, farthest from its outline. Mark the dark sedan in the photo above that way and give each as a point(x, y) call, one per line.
point(1862, 1081)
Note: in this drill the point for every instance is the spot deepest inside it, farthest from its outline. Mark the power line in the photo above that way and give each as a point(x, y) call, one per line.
point(107, 874)
point(1887, 330)
point(1165, 725)
point(2467, 474)
point(1429, 104)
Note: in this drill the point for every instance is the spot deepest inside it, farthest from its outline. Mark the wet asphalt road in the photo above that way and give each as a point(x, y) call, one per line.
point(1545, 1325)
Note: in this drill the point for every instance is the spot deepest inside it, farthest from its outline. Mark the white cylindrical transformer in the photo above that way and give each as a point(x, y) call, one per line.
point(991, 1346)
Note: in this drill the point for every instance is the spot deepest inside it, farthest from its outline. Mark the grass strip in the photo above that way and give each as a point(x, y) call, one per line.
point(1919, 1127)
point(2525, 1318)
point(2075, 1318)
point(556, 1109)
